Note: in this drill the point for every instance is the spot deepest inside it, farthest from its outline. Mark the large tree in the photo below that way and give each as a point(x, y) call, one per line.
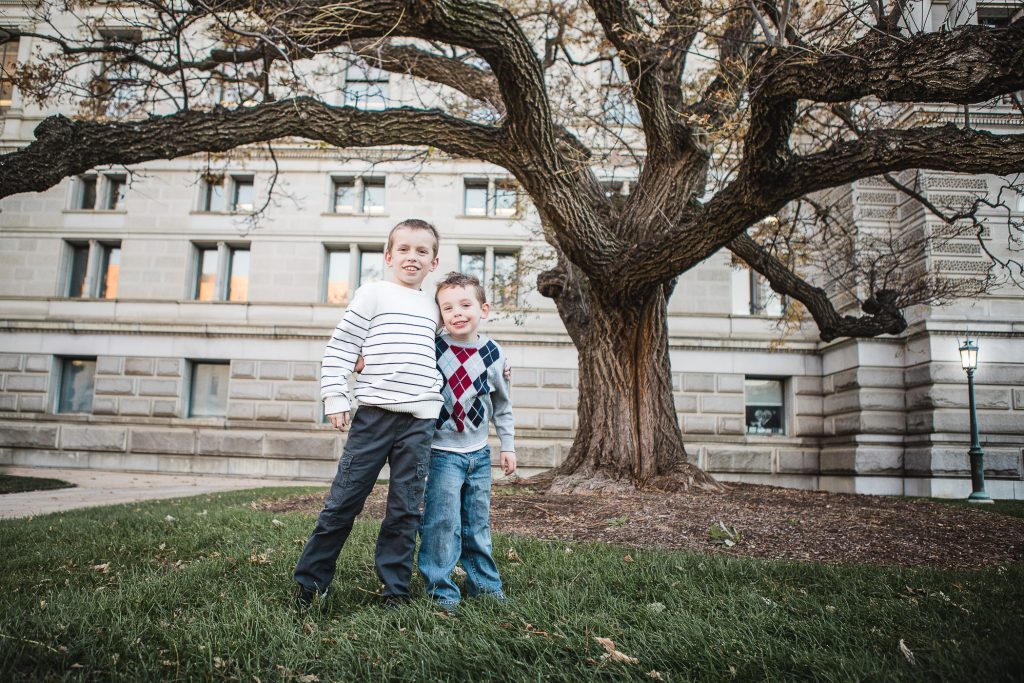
point(731, 110)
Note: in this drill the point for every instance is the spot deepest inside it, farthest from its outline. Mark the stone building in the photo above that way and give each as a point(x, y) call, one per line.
point(149, 323)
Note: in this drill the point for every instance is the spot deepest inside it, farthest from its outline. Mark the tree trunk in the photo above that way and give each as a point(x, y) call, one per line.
point(628, 435)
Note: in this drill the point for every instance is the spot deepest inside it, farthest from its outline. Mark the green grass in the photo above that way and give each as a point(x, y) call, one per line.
point(11, 484)
point(1011, 508)
point(199, 589)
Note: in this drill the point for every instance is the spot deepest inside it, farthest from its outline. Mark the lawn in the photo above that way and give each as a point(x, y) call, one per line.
point(198, 589)
point(12, 484)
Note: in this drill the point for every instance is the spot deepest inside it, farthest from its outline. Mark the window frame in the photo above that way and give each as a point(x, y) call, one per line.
point(87, 262)
point(490, 256)
point(224, 255)
point(61, 363)
point(8, 60)
point(357, 185)
point(194, 364)
point(372, 89)
point(784, 417)
point(230, 184)
point(493, 187)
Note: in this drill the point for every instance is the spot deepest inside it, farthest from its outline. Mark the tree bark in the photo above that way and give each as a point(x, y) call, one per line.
point(628, 436)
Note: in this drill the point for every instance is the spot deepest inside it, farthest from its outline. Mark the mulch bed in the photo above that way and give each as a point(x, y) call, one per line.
point(772, 523)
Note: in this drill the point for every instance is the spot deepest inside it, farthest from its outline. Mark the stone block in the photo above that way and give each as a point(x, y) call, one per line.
point(951, 396)
point(174, 441)
point(305, 371)
point(699, 424)
point(117, 386)
point(804, 425)
point(557, 420)
point(8, 402)
point(810, 386)
point(699, 382)
point(533, 398)
point(844, 380)
point(26, 383)
point(525, 377)
point(165, 408)
point(93, 438)
point(297, 391)
point(231, 443)
point(210, 464)
point(798, 462)
point(180, 464)
point(870, 423)
point(677, 381)
point(272, 369)
point(275, 412)
point(243, 369)
point(28, 436)
point(10, 362)
point(537, 454)
point(731, 425)
point(110, 365)
point(38, 458)
point(1018, 400)
point(722, 403)
point(526, 419)
point(880, 378)
point(247, 467)
point(730, 384)
point(285, 469)
point(558, 379)
point(136, 406)
point(169, 367)
point(139, 366)
point(158, 387)
point(302, 446)
point(317, 470)
point(241, 410)
point(807, 405)
point(37, 363)
point(302, 413)
point(32, 403)
point(568, 400)
point(251, 390)
point(736, 460)
point(685, 403)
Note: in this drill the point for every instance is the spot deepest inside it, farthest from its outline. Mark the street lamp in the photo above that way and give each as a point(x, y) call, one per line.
point(969, 361)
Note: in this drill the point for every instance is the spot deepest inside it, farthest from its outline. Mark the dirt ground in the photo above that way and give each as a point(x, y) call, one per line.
point(769, 522)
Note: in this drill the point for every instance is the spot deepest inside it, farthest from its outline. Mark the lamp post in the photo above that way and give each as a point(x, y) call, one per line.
point(969, 361)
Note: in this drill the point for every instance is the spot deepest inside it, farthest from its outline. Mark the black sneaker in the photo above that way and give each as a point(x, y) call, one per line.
point(304, 597)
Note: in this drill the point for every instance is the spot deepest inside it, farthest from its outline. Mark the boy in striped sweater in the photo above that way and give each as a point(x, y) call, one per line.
point(392, 325)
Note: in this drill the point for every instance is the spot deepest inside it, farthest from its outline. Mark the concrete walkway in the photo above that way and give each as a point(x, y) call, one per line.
point(102, 487)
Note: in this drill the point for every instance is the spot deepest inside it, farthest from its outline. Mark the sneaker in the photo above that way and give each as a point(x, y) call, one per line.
point(304, 597)
point(449, 608)
point(390, 602)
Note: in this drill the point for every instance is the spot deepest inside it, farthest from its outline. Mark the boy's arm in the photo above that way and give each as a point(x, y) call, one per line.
point(341, 355)
point(504, 424)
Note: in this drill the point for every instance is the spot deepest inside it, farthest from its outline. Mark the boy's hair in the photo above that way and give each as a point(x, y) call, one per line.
point(415, 224)
point(455, 279)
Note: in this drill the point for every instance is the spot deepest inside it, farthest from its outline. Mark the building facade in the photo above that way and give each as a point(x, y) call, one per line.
point(171, 317)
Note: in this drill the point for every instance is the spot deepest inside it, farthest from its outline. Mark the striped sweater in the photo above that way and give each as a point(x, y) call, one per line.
point(393, 328)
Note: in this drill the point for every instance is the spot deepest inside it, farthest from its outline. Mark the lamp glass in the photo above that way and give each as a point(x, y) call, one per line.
point(969, 355)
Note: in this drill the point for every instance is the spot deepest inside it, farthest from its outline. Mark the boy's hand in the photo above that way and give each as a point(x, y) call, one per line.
point(508, 462)
point(507, 372)
point(360, 364)
point(339, 421)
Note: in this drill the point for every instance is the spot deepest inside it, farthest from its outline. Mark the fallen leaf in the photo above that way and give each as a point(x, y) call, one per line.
point(656, 607)
point(656, 675)
point(259, 558)
point(277, 522)
point(307, 678)
point(102, 568)
point(614, 655)
point(628, 558)
point(512, 556)
point(168, 518)
point(905, 651)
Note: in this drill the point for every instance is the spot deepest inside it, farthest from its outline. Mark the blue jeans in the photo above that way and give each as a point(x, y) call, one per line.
point(457, 526)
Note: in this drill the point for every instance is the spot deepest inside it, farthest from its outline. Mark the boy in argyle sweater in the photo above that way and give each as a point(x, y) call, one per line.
point(456, 515)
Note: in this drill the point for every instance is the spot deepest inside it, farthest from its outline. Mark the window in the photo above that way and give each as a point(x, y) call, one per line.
point(336, 285)
point(497, 270)
point(99, 191)
point(752, 295)
point(209, 390)
point(221, 272)
point(241, 195)
point(77, 378)
point(765, 406)
point(8, 58)
point(238, 277)
point(115, 192)
point(118, 85)
point(371, 266)
point(94, 269)
point(358, 195)
point(366, 86)
point(498, 198)
point(232, 193)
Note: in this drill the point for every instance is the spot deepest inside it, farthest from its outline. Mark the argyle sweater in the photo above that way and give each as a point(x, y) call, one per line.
point(393, 328)
point(475, 392)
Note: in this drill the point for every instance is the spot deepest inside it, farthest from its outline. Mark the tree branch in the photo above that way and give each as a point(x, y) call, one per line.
point(884, 317)
point(63, 147)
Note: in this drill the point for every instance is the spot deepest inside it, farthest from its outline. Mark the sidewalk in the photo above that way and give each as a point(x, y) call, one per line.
point(102, 487)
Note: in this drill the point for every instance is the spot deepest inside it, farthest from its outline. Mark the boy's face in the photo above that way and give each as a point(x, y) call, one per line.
point(461, 312)
point(411, 256)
